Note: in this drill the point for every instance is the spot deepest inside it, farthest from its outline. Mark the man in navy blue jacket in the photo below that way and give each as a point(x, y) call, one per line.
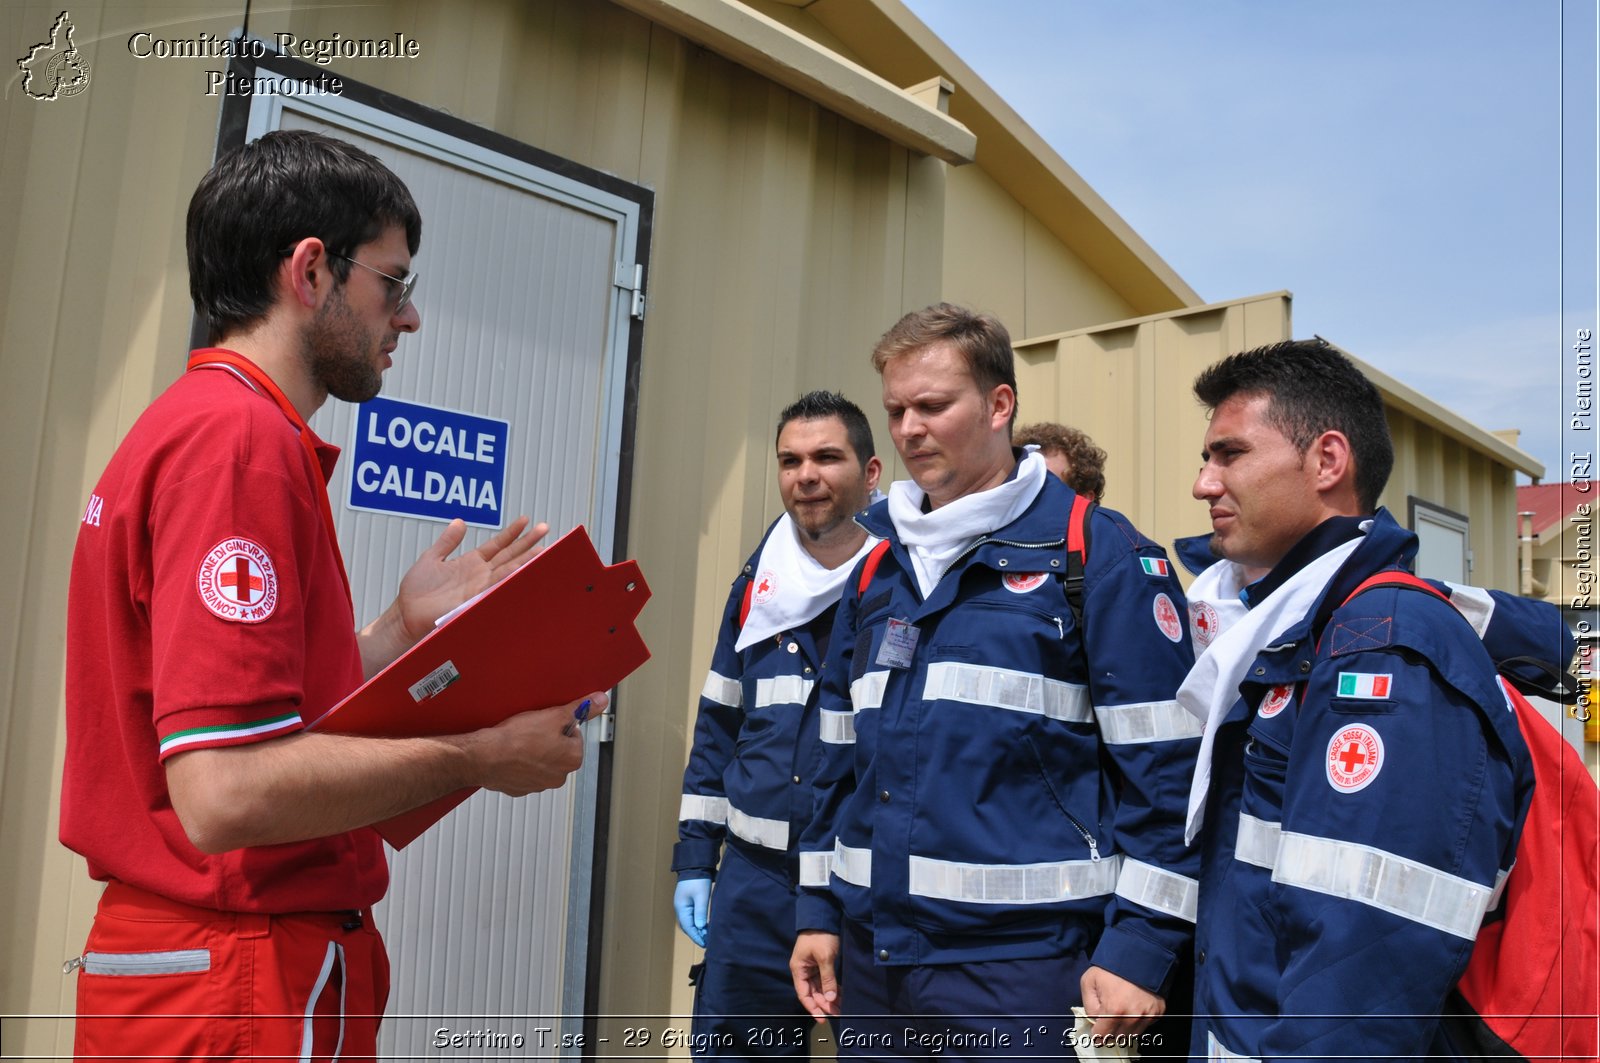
point(748, 781)
point(997, 819)
point(1361, 777)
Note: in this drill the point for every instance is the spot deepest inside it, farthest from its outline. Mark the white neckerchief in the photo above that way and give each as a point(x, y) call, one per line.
point(1214, 604)
point(1212, 685)
point(791, 586)
point(937, 538)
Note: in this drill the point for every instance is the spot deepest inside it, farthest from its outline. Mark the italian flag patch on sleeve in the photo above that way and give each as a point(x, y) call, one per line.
point(1368, 685)
point(1154, 566)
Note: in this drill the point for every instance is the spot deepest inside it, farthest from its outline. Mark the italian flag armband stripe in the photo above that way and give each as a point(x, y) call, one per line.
point(227, 732)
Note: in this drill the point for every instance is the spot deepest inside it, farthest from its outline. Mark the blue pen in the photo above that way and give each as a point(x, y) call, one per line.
point(579, 714)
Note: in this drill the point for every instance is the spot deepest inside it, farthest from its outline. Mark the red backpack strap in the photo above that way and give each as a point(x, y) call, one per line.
point(744, 603)
point(870, 566)
point(1397, 579)
point(1392, 578)
point(1077, 556)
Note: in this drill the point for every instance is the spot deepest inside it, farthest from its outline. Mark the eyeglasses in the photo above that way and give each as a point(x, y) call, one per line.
point(408, 284)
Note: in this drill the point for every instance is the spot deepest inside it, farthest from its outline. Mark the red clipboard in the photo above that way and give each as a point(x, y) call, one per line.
point(559, 627)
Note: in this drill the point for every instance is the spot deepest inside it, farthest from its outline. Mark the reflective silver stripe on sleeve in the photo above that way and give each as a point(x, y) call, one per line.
point(1257, 842)
point(852, 865)
point(838, 728)
point(1159, 889)
point(697, 806)
point(176, 961)
point(867, 692)
point(1499, 888)
point(1474, 603)
point(782, 690)
point(815, 869)
point(1067, 880)
point(1215, 1049)
point(1384, 881)
point(1149, 721)
point(767, 833)
point(722, 690)
point(1002, 688)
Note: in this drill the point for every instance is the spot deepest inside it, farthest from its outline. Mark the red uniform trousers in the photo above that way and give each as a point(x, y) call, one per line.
point(162, 980)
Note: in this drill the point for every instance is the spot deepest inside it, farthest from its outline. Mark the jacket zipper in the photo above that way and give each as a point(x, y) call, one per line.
point(985, 541)
point(1094, 846)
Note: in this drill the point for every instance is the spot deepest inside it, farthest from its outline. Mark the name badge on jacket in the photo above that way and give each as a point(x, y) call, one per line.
point(899, 643)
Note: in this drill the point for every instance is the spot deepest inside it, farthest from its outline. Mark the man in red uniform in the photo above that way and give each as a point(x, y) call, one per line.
point(210, 619)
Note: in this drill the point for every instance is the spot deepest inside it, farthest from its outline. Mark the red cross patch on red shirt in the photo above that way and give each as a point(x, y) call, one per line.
point(238, 582)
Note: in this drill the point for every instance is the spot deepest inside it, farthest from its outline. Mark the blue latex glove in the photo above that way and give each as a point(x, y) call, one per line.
point(691, 901)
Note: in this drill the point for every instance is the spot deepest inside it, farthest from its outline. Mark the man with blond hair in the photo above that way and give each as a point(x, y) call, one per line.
point(997, 830)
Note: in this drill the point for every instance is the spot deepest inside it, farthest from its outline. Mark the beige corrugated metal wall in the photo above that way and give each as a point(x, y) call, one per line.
point(1127, 384)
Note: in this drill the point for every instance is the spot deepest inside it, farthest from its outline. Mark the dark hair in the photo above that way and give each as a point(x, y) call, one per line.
point(982, 340)
point(1086, 473)
point(1311, 388)
point(265, 196)
point(814, 405)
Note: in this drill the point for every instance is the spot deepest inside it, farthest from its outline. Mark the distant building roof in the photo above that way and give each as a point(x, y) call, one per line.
point(1552, 503)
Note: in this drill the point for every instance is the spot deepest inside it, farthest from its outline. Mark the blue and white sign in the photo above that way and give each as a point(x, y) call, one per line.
point(423, 461)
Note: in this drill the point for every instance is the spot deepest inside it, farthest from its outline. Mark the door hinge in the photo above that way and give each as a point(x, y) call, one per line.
point(630, 278)
point(608, 727)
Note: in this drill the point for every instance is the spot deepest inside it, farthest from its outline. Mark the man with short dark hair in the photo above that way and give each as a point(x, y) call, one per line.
point(1360, 775)
point(996, 834)
point(1069, 454)
point(749, 777)
point(210, 620)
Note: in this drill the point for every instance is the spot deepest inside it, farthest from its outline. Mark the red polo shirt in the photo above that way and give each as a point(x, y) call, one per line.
point(208, 607)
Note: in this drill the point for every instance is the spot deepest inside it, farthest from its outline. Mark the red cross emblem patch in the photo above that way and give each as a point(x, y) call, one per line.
point(1167, 618)
point(238, 582)
point(1023, 582)
point(1355, 756)
point(1274, 702)
point(1202, 623)
point(766, 587)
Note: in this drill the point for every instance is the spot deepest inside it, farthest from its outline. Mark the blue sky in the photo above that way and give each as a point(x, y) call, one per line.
point(1398, 166)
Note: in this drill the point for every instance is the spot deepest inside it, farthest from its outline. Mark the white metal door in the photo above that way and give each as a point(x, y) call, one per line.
point(525, 301)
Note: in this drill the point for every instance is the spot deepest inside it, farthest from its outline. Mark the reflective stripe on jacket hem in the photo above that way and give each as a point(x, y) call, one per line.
point(852, 865)
point(1045, 883)
point(767, 833)
point(782, 690)
point(867, 692)
point(1003, 688)
point(837, 728)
